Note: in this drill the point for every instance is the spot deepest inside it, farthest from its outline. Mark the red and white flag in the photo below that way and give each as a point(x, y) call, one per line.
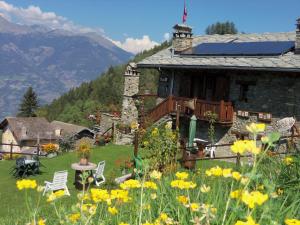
point(184, 16)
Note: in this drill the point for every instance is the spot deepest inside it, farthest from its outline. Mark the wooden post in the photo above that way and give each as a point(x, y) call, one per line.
point(222, 111)
point(177, 116)
point(11, 151)
point(112, 132)
point(238, 159)
point(170, 104)
point(38, 150)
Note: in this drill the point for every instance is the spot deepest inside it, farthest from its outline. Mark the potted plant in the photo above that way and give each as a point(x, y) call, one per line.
point(50, 149)
point(83, 149)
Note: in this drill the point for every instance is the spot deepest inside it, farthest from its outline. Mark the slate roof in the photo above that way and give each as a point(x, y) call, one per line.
point(29, 128)
point(286, 62)
point(68, 128)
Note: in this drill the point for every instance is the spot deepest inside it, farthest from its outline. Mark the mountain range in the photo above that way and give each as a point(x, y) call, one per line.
point(51, 61)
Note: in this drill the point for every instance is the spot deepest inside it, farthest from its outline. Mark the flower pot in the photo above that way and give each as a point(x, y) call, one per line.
point(51, 155)
point(189, 164)
point(84, 161)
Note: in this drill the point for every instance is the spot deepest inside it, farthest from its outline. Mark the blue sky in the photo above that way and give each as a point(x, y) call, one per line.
point(134, 19)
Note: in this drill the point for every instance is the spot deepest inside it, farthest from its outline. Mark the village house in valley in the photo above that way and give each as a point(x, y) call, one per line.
point(241, 78)
point(26, 132)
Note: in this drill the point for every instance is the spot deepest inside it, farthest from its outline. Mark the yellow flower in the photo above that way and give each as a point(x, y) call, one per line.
point(134, 125)
point(183, 199)
point(99, 195)
point(254, 198)
point(249, 221)
point(150, 185)
point(264, 139)
point(74, 217)
point(288, 160)
point(181, 184)
point(182, 175)
point(238, 147)
point(236, 194)
point(280, 191)
point(236, 175)
point(156, 175)
point(256, 127)
point(41, 222)
point(204, 188)
point(55, 195)
point(153, 196)
point(146, 143)
point(168, 125)
point(112, 210)
point(292, 222)
point(147, 206)
point(163, 216)
point(251, 147)
point(26, 184)
point(244, 180)
point(214, 171)
point(154, 132)
point(124, 223)
point(120, 194)
point(194, 207)
point(227, 172)
point(130, 184)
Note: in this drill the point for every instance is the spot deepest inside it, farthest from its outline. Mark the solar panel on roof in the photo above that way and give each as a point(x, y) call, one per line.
point(266, 48)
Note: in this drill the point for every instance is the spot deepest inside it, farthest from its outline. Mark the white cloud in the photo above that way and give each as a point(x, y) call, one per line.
point(136, 45)
point(167, 36)
point(34, 15)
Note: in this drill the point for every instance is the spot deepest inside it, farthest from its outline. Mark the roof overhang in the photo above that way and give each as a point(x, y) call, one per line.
point(173, 66)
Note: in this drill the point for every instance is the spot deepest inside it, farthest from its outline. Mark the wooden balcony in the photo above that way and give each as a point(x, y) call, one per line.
point(224, 110)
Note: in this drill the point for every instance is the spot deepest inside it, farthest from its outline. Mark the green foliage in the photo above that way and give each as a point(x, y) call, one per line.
point(212, 118)
point(105, 93)
point(221, 28)
point(29, 104)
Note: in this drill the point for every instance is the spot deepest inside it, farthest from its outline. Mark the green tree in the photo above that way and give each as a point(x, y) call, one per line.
point(221, 28)
point(29, 104)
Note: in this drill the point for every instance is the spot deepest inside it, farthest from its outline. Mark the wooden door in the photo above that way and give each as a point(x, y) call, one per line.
point(222, 86)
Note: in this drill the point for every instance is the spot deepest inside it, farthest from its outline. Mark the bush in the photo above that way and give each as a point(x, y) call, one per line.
point(66, 143)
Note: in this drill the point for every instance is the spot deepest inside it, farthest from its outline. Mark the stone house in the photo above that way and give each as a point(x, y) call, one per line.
point(26, 132)
point(241, 78)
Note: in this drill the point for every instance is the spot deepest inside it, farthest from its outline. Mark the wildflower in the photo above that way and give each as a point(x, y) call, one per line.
point(227, 172)
point(74, 217)
point(168, 125)
point(156, 175)
point(120, 194)
point(181, 184)
point(236, 194)
point(280, 191)
point(251, 147)
point(134, 125)
point(150, 185)
point(244, 180)
point(288, 160)
point(147, 206)
point(112, 210)
point(236, 175)
point(214, 171)
point(146, 143)
point(163, 216)
point(130, 184)
point(182, 175)
point(183, 199)
point(256, 127)
point(154, 132)
point(292, 222)
point(238, 147)
point(249, 221)
point(153, 196)
point(265, 139)
point(99, 195)
point(261, 187)
point(208, 208)
point(204, 188)
point(194, 207)
point(41, 222)
point(254, 198)
point(26, 184)
point(55, 195)
point(124, 223)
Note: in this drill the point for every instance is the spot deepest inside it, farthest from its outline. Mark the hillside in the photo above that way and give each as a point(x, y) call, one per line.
point(104, 93)
point(52, 61)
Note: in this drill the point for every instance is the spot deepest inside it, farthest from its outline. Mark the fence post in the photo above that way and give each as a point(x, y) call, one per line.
point(11, 151)
point(177, 116)
point(38, 150)
point(222, 107)
point(112, 132)
point(238, 159)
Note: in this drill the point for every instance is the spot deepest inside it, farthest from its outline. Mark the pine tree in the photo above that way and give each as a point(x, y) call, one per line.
point(29, 104)
point(221, 28)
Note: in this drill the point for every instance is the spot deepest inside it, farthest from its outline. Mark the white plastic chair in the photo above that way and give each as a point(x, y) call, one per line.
point(211, 150)
point(98, 175)
point(59, 182)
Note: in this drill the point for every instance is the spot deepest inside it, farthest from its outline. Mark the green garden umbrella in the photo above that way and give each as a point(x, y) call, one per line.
point(192, 130)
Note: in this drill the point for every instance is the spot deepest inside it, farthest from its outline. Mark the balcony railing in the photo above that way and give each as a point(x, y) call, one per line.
point(223, 110)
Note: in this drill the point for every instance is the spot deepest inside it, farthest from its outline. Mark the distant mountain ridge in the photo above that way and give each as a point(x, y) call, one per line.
point(52, 61)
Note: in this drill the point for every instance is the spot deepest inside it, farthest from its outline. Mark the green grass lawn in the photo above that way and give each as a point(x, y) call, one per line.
point(12, 201)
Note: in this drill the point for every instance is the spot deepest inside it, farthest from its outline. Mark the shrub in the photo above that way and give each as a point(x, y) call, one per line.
point(66, 143)
point(50, 148)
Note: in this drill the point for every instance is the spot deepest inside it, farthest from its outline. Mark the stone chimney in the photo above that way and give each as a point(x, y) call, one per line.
point(297, 42)
point(182, 37)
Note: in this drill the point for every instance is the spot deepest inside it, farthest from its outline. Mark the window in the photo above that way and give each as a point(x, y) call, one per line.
point(243, 97)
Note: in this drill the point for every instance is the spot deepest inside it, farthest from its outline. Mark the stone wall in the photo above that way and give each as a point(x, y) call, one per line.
point(131, 88)
point(275, 93)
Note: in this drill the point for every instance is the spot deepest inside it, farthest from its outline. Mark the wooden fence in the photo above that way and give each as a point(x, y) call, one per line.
point(11, 152)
